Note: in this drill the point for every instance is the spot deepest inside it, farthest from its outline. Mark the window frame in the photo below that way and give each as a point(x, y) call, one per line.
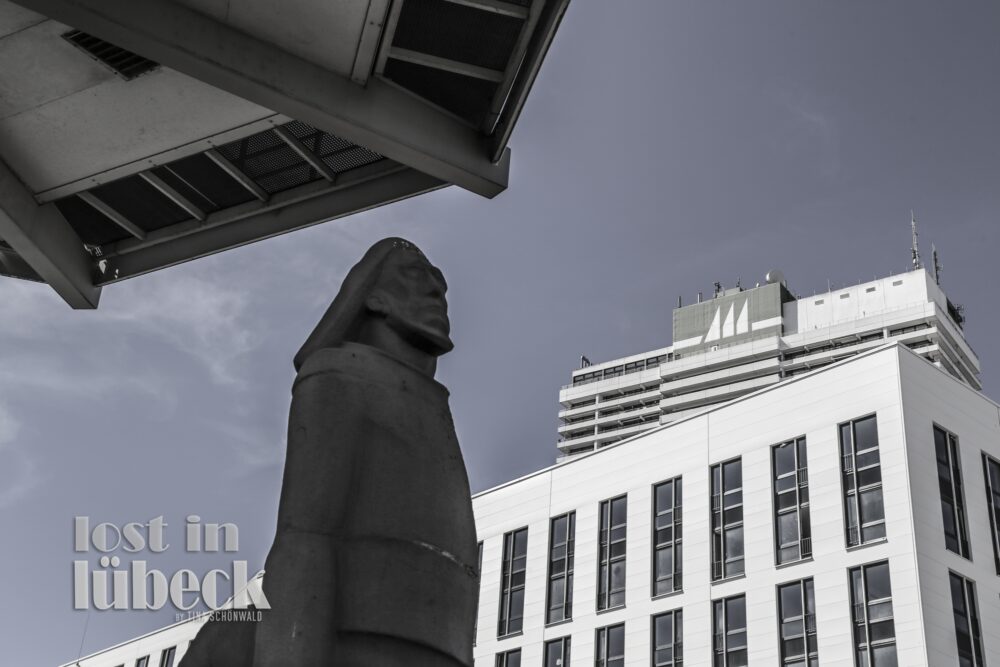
point(721, 564)
point(567, 573)
point(972, 618)
point(602, 641)
point(507, 587)
point(807, 590)
point(565, 644)
point(605, 559)
point(675, 544)
point(503, 658)
point(993, 505)
point(167, 656)
point(800, 508)
point(479, 572)
point(856, 491)
point(721, 648)
point(676, 641)
point(958, 512)
point(868, 645)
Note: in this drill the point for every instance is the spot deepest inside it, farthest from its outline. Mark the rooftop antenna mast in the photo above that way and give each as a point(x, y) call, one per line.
point(937, 265)
point(915, 249)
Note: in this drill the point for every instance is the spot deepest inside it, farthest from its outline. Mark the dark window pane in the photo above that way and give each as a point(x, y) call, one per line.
point(736, 616)
point(791, 601)
point(733, 472)
point(871, 506)
point(784, 458)
point(865, 433)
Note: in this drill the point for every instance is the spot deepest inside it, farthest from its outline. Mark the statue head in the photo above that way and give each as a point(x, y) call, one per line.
point(394, 299)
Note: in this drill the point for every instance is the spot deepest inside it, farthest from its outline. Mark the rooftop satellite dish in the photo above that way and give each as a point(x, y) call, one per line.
point(774, 276)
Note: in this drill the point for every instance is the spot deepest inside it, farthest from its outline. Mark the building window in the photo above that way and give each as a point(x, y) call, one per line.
point(167, 657)
point(667, 556)
point(871, 611)
point(611, 554)
point(862, 480)
point(797, 624)
point(609, 647)
point(557, 652)
point(668, 633)
point(729, 639)
point(562, 531)
point(949, 467)
point(792, 533)
point(515, 551)
point(966, 613)
point(509, 658)
point(727, 519)
point(142, 662)
point(479, 572)
point(991, 471)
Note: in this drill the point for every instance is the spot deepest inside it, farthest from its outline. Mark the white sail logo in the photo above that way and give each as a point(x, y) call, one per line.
point(736, 321)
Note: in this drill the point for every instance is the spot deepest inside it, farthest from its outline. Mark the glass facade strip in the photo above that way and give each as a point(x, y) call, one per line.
point(562, 533)
point(727, 519)
point(871, 613)
point(991, 473)
point(611, 553)
point(949, 467)
point(965, 610)
point(666, 540)
point(668, 633)
point(515, 557)
point(609, 646)
point(729, 635)
point(861, 478)
point(509, 658)
point(556, 652)
point(790, 490)
point(797, 624)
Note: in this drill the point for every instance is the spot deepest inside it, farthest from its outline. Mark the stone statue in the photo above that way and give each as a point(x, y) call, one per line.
point(374, 560)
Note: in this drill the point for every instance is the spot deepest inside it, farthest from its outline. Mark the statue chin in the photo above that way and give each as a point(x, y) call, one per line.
point(432, 339)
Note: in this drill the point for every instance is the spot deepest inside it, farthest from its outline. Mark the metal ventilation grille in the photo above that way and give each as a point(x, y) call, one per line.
point(124, 63)
point(338, 154)
point(269, 161)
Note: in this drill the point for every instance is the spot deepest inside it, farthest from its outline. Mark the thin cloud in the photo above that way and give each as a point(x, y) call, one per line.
point(18, 472)
point(816, 131)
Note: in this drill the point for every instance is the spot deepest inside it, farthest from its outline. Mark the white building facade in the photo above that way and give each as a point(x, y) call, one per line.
point(738, 575)
point(741, 340)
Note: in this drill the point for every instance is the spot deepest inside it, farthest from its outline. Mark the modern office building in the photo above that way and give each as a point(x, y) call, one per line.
point(843, 516)
point(742, 340)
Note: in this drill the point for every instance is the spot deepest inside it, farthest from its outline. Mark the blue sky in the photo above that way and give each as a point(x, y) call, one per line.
point(666, 145)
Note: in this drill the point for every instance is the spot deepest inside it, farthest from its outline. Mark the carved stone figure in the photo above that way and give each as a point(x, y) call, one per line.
point(374, 560)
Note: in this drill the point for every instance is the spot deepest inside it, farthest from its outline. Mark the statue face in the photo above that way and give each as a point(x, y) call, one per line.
point(410, 293)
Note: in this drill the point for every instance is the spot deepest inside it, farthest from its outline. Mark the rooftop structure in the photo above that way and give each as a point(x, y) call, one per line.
point(741, 340)
point(138, 134)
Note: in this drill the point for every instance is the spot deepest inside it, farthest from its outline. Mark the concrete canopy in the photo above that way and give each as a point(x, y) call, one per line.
point(135, 133)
